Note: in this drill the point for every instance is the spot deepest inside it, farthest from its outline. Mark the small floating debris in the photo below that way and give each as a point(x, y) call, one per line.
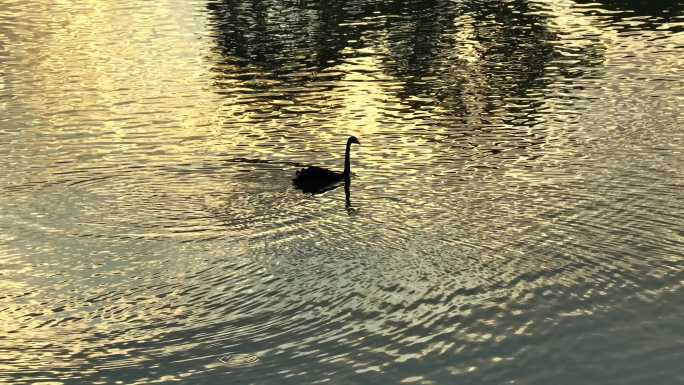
point(237, 360)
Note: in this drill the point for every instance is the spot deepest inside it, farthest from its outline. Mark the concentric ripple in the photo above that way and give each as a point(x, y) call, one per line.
point(515, 208)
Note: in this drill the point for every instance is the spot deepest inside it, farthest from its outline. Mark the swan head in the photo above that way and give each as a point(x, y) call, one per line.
point(352, 139)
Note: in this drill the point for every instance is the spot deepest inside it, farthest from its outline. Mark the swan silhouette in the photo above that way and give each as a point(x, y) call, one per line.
point(316, 180)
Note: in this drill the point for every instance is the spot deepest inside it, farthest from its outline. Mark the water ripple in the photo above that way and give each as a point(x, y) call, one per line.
point(515, 199)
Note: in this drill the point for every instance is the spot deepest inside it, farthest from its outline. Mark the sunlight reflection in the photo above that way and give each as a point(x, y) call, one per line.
point(511, 184)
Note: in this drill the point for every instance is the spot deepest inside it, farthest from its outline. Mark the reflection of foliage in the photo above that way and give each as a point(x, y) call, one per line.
point(659, 8)
point(279, 36)
point(517, 40)
point(438, 49)
point(658, 12)
point(501, 46)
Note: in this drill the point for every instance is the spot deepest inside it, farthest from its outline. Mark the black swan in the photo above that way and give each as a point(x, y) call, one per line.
point(314, 179)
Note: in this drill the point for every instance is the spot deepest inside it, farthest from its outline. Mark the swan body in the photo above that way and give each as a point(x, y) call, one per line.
point(314, 179)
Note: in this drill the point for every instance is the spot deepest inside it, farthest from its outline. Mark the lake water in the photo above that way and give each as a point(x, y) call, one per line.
point(516, 201)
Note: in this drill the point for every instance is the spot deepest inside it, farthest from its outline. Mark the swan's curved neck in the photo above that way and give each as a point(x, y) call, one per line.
point(347, 164)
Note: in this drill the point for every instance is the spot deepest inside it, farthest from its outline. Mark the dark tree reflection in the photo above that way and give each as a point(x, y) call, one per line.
point(665, 9)
point(280, 36)
point(500, 48)
point(651, 14)
point(446, 51)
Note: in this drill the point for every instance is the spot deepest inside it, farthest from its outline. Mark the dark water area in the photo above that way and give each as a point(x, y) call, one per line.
point(514, 214)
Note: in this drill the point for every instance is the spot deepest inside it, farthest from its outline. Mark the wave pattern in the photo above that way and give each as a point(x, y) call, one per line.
point(516, 200)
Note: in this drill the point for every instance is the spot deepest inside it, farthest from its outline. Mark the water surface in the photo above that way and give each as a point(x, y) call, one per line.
point(516, 208)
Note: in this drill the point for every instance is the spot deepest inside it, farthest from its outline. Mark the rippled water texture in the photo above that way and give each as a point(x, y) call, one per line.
point(516, 200)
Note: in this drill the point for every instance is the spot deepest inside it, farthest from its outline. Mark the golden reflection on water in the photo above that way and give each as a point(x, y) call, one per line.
point(152, 221)
point(357, 94)
point(104, 66)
